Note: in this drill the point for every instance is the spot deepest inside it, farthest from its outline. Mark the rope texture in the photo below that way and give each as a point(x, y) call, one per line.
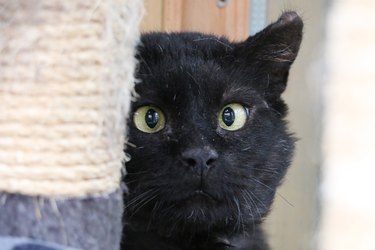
point(66, 74)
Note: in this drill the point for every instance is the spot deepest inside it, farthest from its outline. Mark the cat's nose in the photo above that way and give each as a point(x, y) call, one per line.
point(199, 157)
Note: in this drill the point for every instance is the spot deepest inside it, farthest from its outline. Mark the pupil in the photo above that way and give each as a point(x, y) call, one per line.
point(152, 118)
point(228, 116)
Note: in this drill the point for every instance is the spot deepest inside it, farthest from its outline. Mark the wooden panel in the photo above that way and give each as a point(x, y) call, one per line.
point(199, 15)
point(173, 13)
point(153, 17)
point(205, 16)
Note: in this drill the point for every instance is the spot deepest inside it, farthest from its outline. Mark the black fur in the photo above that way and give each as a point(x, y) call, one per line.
point(191, 77)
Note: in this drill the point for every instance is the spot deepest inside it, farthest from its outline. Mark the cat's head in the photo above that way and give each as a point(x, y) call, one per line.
point(207, 137)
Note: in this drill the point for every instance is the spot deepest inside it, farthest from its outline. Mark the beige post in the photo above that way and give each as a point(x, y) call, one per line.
point(66, 73)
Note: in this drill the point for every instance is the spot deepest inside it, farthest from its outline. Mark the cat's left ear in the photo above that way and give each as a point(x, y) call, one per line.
point(273, 50)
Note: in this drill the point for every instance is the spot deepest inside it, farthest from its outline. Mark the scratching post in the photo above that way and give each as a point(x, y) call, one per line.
point(66, 73)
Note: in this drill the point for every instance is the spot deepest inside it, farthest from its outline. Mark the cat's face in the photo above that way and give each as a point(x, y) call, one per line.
point(208, 142)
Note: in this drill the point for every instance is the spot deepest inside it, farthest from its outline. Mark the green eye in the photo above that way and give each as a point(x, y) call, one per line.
point(149, 119)
point(232, 117)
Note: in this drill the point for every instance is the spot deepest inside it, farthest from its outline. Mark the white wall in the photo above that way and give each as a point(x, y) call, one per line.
point(348, 189)
point(293, 224)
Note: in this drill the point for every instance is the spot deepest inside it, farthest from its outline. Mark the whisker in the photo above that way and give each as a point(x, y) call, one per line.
point(239, 218)
point(269, 188)
point(140, 202)
point(140, 172)
point(259, 200)
point(130, 144)
point(253, 203)
point(249, 207)
point(143, 203)
point(267, 170)
point(153, 213)
point(138, 197)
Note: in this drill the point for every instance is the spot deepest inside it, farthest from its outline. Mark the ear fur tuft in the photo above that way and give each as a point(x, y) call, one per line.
point(273, 50)
point(280, 41)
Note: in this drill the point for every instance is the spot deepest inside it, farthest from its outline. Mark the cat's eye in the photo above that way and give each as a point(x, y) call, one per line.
point(232, 117)
point(149, 119)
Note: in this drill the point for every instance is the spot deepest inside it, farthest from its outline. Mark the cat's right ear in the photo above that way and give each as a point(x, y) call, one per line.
point(273, 50)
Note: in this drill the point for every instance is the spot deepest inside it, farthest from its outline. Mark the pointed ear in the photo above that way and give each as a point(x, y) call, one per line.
point(273, 50)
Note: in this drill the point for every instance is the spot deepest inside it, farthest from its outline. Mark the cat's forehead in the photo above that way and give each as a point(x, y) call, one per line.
point(182, 82)
point(176, 45)
point(184, 88)
point(187, 69)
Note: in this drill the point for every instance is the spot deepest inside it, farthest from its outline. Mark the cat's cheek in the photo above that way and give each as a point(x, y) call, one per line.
point(144, 140)
point(228, 140)
point(227, 134)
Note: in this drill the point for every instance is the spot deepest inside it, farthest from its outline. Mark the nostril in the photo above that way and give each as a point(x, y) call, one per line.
point(190, 162)
point(210, 161)
point(212, 157)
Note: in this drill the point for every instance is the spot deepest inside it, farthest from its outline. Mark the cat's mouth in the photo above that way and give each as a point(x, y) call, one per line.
point(200, 192)
point(201, 196)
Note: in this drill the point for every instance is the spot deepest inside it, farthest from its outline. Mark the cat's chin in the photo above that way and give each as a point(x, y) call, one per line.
point(196, 206)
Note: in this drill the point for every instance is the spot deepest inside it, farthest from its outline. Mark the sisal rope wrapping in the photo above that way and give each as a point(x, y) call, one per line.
point(66, 73)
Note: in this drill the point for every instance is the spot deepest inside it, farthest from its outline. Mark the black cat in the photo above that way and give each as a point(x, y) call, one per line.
point(208, 139)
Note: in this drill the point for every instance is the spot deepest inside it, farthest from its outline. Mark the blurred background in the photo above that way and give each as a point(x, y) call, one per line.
point(327, 201)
